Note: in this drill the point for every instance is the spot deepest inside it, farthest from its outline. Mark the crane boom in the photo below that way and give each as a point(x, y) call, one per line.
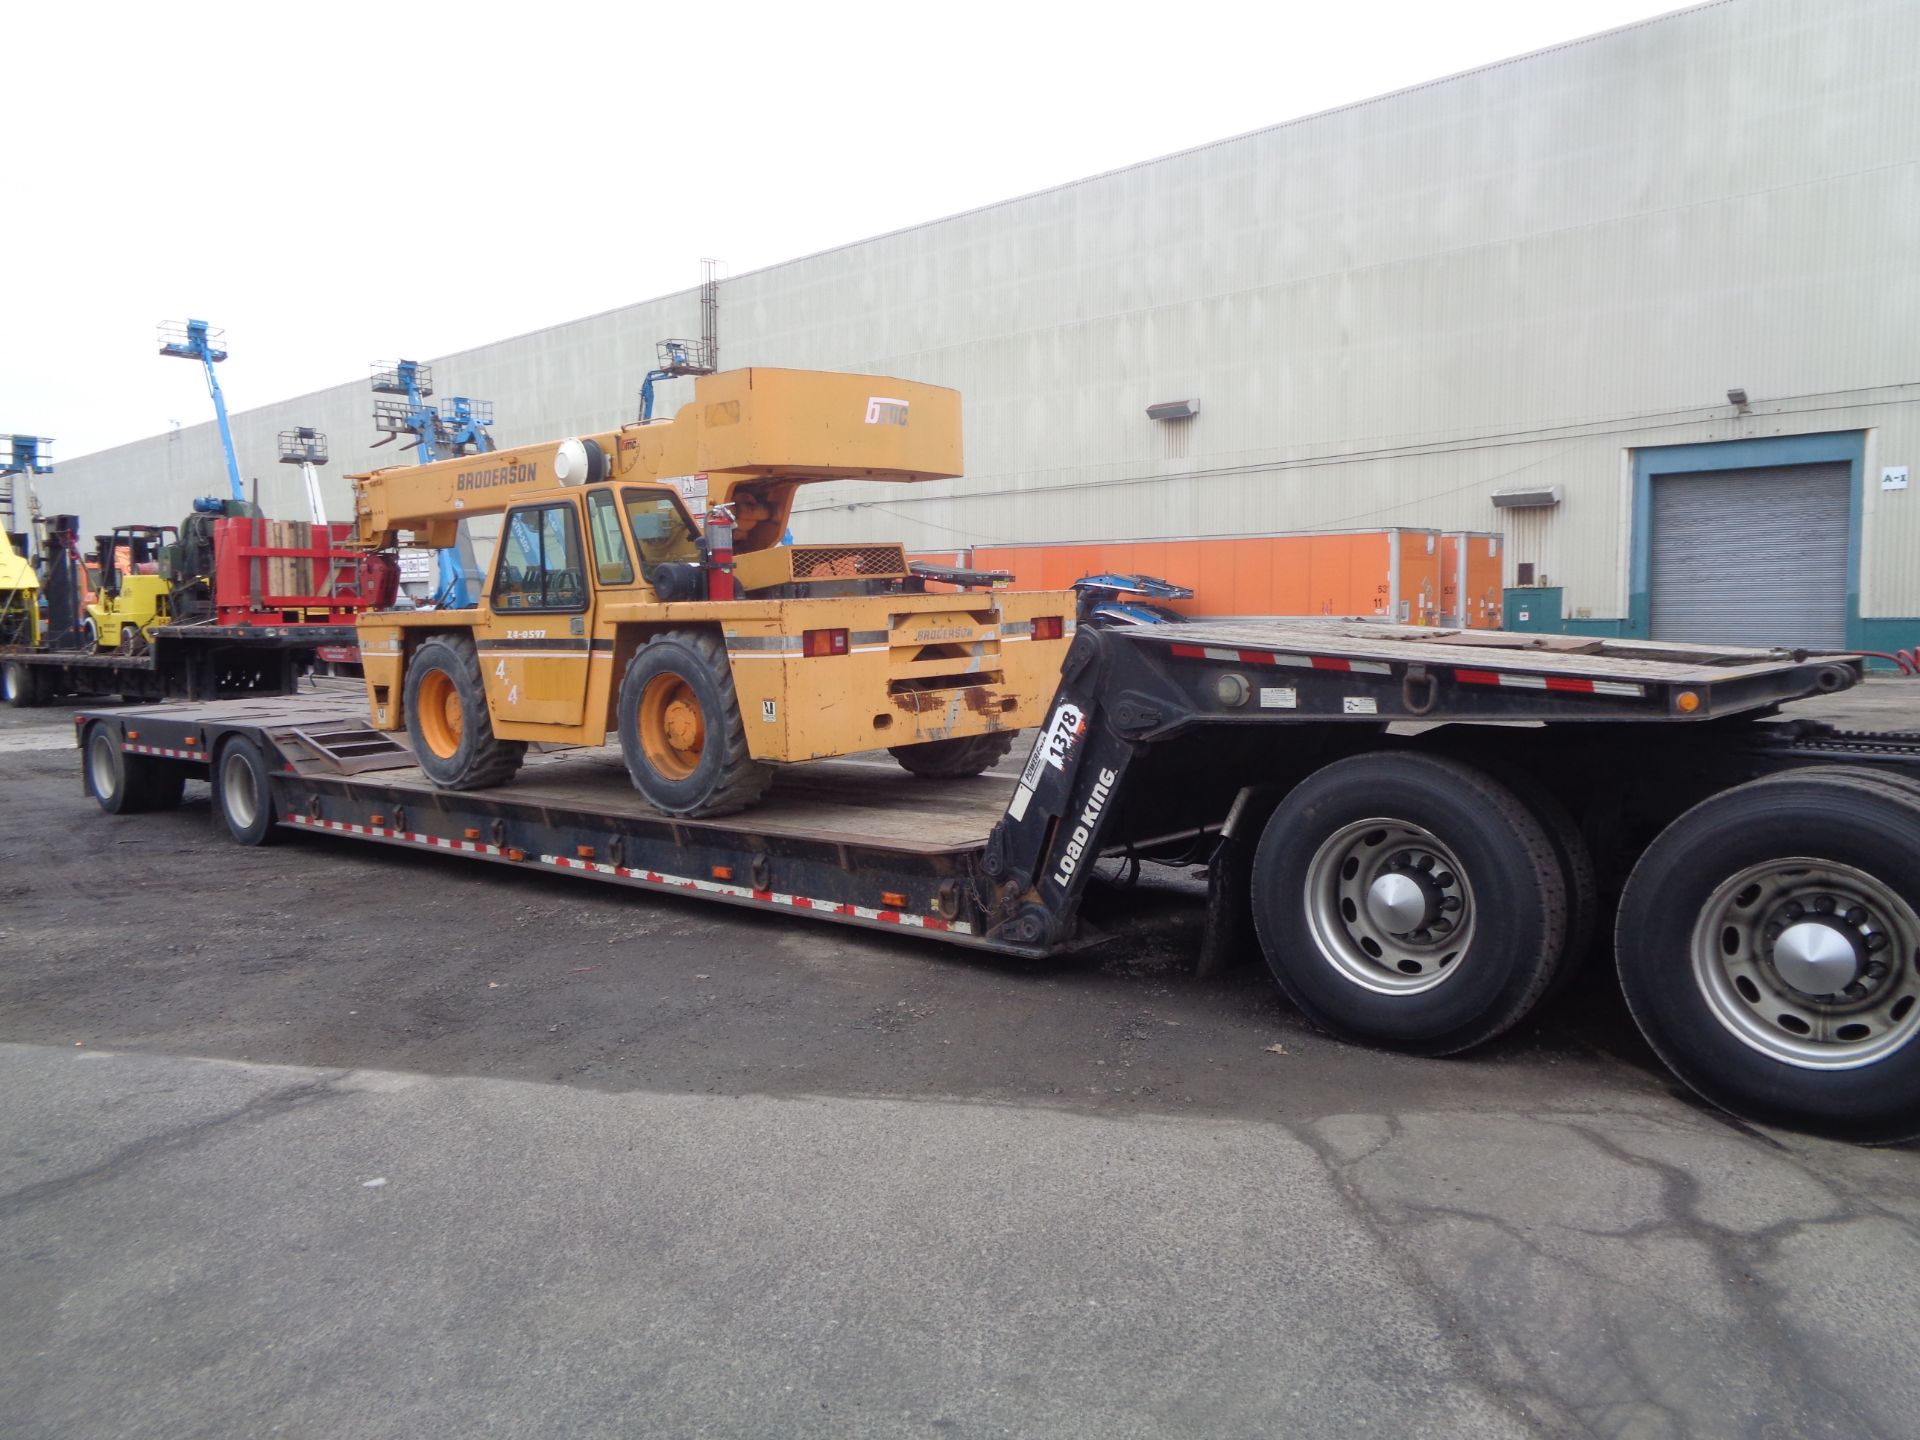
point(757, 434)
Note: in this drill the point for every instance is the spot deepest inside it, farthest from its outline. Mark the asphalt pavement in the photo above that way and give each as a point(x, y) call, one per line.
point(316, 1140)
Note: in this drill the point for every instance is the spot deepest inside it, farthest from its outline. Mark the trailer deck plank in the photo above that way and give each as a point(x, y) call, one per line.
point(853, 801)
point(849, 801)
point(1647, 660)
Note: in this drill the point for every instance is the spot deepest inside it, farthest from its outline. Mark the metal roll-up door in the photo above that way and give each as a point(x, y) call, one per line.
point(1752, 557)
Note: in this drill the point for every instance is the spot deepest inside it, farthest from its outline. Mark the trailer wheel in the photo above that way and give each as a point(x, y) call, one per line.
point(20, 685)
point(243, 794)
point(1769, 948)
point(955, 759)
point(1409, 901)
point(447, 720)
point(1582, 881)
point(681, 731)
point(107, 775)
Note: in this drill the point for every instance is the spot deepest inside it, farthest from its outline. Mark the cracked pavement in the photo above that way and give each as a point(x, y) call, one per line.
point(654, 1168)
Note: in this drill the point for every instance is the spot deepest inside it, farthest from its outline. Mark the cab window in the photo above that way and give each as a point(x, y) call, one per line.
point(540, 558)
point(661, 530)
point(610, 560)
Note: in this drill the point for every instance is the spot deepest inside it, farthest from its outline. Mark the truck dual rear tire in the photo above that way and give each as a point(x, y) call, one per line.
point(1769, 949)
point(1409, 901)
point(681, 731)
point(957, 758)
point(447, 719)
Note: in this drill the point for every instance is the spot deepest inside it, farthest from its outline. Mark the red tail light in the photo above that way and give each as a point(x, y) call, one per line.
point(1048, 627)
point(824, 642)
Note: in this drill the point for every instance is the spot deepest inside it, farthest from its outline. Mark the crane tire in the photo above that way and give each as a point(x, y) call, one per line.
point(957, 758)
point(1409, 901)
point(681, 730)
point(447, 720)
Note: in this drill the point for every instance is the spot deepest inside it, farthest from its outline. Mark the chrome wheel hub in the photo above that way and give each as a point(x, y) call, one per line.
point(106, 766)
point(241, 795)
point(1811, 963)
point(1389, 906)
point(1816, 958)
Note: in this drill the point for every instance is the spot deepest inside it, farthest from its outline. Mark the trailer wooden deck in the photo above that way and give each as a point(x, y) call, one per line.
point(867, 801)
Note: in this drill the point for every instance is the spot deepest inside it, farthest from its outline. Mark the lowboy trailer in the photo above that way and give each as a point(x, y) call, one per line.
point(1421, 831)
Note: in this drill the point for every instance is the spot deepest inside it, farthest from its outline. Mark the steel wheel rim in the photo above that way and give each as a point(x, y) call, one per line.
point(673, 728)
point(441, 721)
point(10, 679)
point(106, 766)
point(239, 791)
point(1362, 863)
point(1748, 946)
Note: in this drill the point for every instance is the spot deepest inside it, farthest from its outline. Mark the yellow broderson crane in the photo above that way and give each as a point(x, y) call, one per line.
point(714, 655)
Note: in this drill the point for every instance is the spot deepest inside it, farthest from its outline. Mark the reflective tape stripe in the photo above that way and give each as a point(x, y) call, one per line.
point(1336, 664)
point(162, 751)
point(387, 832)
point(655, 878)
point(762, 897)
point(1559, 684)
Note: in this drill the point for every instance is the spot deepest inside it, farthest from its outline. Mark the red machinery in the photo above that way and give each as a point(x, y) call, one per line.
point(278, 572)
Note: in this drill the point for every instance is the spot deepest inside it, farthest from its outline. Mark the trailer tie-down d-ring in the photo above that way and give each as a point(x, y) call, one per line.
point(1418, 681)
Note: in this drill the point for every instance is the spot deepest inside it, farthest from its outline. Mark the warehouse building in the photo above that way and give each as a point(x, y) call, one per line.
point(1644, 304)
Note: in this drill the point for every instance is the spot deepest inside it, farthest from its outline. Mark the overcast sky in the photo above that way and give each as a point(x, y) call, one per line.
point(339, 183)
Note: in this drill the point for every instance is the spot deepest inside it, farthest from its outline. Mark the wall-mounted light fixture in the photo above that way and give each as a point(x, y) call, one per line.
point(1737, 397)
point(1174, 410)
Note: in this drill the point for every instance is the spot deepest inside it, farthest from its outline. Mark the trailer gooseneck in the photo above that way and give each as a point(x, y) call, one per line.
point(1422, 832)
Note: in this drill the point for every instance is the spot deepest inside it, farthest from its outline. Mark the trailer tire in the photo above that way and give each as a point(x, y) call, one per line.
point(681, 731)
point(109, 777)
point(1379, 840)
point(957, 758)
point(1699, 943)
point(1575, 855)
point(447, 719)
point(21, 685)
point(243, 794)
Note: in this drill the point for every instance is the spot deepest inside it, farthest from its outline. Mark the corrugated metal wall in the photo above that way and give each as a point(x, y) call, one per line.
point(1388, 312)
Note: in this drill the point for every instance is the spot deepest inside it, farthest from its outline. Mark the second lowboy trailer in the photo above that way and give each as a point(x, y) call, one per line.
point(1421, 831)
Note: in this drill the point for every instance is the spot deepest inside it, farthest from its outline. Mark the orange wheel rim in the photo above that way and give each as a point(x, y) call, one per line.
point(673, 728)
point(441, 722)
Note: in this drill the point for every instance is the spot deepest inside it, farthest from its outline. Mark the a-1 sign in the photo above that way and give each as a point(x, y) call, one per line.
point(1893, 477)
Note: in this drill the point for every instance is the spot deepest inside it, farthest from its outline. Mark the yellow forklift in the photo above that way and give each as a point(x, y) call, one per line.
point(132, 596)
point(714, 652)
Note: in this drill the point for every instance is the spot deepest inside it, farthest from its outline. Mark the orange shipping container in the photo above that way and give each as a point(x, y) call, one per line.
point(1471, 579)
point(1375, 574)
